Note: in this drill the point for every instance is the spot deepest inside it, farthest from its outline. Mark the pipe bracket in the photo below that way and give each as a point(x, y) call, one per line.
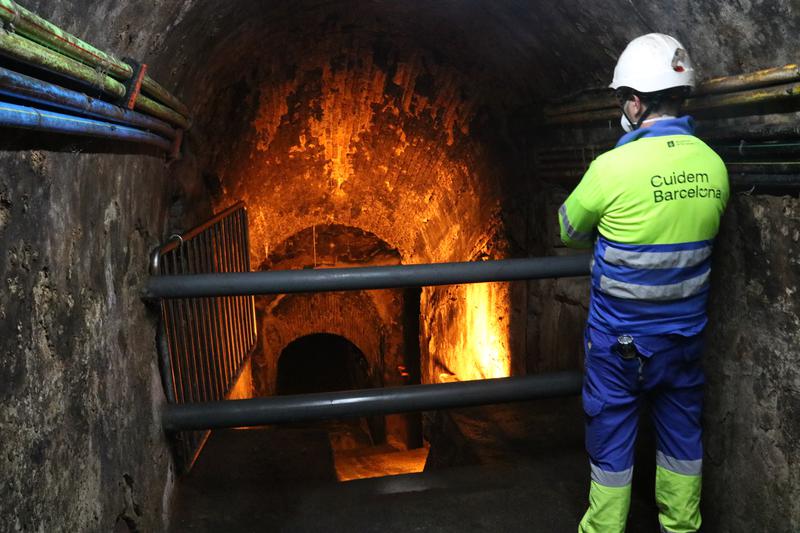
point(133, 85)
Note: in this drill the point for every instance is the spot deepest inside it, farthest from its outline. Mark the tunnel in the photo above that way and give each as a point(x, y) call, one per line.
point(352, 134)
point(321, 362)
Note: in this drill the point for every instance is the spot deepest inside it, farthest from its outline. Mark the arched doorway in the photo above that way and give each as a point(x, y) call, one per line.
point(321, 362)
point(325, 362)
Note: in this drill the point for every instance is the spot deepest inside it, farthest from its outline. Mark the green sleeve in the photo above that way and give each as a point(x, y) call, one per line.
point(581, 212)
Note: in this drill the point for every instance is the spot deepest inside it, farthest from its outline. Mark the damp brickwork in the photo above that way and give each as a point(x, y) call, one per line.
point(349, 315)
point(347, 136)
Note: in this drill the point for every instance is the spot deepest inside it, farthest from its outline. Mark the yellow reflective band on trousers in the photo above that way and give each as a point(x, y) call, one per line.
point(608, 509)
point(678, 499)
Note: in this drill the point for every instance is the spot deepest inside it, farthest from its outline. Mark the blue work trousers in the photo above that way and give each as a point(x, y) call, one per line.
point(668, 373)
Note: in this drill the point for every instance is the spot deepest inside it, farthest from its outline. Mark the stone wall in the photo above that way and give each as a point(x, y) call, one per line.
point(557, 309)
point(79, 386)
point(752, 362)
point(80, 394)
point(358, 132)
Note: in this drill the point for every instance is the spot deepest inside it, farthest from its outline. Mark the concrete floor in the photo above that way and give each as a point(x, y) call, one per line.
point(528, 473)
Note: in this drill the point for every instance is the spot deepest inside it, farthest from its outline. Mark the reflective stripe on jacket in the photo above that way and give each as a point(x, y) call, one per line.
point(655, 201)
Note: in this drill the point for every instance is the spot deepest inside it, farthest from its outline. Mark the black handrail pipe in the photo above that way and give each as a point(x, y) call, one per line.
point(380, 401)
point(349, 279)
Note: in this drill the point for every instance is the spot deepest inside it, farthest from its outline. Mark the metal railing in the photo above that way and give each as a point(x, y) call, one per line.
point(259, 411)
point(204, 341)
point(381, 401)
point(364, 278)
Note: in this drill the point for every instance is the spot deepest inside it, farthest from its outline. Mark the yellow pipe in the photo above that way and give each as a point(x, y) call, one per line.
point(752, 80)
point(700, 103)
point(725, 84)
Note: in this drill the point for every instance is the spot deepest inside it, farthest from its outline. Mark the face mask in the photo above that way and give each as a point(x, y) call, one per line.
point(626, 123)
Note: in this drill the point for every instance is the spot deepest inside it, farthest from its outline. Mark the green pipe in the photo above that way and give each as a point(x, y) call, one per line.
point(754, 96)
point(588, 116)
point(47, 34)
point(600, 102)
point(51, 36)
point(559, 154)
point(151, 87)
point(151, 107)
point(27, 51)
point(763, 167)
point(779, 181)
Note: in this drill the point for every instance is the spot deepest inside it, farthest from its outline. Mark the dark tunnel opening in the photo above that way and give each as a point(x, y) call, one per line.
point(321, 363)
point(324, 362)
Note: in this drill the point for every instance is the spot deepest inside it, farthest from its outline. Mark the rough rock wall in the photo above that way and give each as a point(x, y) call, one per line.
point(371, 320)
point(475, 331)
point(752, 361)
point(82, 449)
point(370, 130)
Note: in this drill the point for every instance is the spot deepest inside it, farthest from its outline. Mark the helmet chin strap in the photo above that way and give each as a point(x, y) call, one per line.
point(647, 112)
point(652, 107)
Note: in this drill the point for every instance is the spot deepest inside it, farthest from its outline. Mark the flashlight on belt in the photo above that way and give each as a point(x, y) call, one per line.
point(626, 348)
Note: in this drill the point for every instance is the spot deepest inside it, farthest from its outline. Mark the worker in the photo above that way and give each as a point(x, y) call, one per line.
point(651, 208)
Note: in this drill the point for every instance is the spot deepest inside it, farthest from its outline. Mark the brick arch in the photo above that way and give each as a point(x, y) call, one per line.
point(351, 315)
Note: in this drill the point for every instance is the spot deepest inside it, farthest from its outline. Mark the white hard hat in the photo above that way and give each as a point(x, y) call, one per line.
point(653, 62)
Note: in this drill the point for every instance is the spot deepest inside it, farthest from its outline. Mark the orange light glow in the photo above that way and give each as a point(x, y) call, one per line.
point(482, 350)
point(350, 466)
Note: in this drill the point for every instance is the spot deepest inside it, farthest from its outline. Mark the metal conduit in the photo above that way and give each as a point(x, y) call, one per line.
point(777, 181)
point(36, 119)
point(51, 36)
point(322, 406)
point(704, 102)
point(15, 85)
point(604, 98)
point(29, 52)
point(349, 279)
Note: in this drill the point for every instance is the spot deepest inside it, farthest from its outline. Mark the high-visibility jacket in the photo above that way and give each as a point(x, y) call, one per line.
point(651, 207)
